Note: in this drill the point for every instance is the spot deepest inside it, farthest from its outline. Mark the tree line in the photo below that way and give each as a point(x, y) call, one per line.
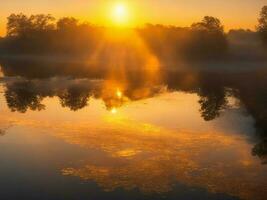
point(44, 35)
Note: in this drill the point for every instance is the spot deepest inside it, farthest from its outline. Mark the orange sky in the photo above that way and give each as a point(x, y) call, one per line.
point(234, 13)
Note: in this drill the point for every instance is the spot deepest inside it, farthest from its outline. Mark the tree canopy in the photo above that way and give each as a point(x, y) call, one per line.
point(262, 26)
point(210, 24)
point(21, 25)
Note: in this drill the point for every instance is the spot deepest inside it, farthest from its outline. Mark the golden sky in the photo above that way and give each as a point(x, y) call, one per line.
point(233, 13)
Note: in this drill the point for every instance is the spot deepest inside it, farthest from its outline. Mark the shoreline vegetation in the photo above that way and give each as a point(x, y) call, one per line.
point(42, 37)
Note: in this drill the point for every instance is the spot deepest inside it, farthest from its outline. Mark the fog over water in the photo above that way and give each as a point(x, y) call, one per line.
point(107, 131)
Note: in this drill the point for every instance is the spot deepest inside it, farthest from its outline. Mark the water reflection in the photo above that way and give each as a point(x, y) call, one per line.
point(142, 152)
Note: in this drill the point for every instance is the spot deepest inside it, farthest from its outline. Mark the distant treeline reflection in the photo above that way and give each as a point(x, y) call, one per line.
point(205, 40)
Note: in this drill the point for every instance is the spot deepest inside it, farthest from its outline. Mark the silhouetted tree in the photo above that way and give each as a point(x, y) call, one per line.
point(262, 26)
point(18, 25)
point(209, 24)
point(21, 25)
point(42, 22)
point(29, 34)
point(208, 39)
point(67, 24)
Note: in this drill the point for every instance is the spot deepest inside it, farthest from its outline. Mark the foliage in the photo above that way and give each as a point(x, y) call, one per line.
point(208, 39)
point(41, 34)
point(262, 26)
point(22, 25)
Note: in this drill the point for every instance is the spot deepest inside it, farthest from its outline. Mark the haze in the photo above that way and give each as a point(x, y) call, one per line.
point(234, 14)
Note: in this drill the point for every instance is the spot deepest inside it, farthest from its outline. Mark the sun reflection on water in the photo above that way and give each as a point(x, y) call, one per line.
point(148, 156)
point(119, 94)
point(114, 111)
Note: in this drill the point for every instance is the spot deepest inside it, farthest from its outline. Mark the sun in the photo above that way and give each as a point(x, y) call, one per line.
point(120, 14)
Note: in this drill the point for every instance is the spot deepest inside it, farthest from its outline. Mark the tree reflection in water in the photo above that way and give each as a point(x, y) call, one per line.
point(21, 97)
point(153, 162)
point(74, 97)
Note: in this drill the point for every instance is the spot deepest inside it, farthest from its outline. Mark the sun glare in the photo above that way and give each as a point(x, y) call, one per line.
point(114, 111)
point(119, 94)
point(120, 14)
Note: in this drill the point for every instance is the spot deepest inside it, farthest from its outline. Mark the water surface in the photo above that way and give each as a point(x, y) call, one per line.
point(196, 134)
